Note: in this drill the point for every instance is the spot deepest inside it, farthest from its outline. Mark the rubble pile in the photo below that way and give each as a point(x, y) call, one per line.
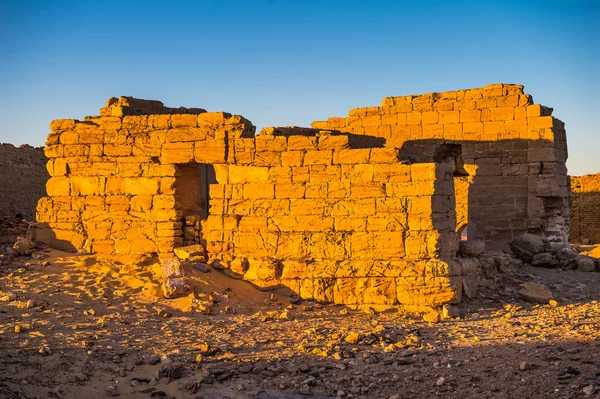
point(539, 252)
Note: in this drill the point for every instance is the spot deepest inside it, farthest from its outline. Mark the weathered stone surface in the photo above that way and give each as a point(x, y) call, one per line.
point(525, 246)
point(332, 212)
point(186, 252)
point(23, 245)
point(543, 259)
point(585, 263)
point(585, 214)
point(534, 292)
point(171, 268)
point(471, 247)
point(174, 287)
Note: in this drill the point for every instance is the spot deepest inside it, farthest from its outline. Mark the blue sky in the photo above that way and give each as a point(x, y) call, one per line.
point(291, 62)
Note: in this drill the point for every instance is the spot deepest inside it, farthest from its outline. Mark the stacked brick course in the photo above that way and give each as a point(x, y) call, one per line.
point(22, 178)
point(291, 206)
point(585, 214)
point(514, 150)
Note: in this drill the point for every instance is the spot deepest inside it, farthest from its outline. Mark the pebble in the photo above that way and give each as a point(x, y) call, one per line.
point(588, 390)
point(352, 338)
point(524, 366)
point(440, 381)
point(44, 350)
point(475, 316)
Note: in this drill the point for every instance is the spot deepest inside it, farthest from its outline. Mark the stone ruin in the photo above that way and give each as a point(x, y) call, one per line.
point(364, 210)
point(585, 212)
point(23, 178)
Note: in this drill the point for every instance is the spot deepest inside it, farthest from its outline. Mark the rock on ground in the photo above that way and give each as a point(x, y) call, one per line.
point(534, 292)
point(525, 246)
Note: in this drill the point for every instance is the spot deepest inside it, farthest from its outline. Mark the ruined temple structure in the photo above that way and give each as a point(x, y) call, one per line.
point(360, 210)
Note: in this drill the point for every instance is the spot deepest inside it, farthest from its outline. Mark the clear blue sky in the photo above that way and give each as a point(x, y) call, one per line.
point(291, 62)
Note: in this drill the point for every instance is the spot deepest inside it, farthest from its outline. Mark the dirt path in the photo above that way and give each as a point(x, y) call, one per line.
point(92, 328)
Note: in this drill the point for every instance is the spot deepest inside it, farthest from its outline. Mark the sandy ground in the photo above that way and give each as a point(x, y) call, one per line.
point(89, 327)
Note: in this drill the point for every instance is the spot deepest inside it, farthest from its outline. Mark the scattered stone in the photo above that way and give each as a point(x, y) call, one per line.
point(537, 293)
point(352, 338)
point(202, 267)
point(171, 267)
point(23, 246)
point(440, 381)
point(588, 390)
point(174, 287)
point(8, 297)
point(543, 259)
point(44, 350)
point(585, 263)
point(471, 247)
point(186, 252)
point(450, 311)
point(432, 317)
point(524, 366)
point(154, 360)
point(475, 316)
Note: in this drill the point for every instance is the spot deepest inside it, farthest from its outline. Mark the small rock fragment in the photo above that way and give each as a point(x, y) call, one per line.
point(537, 293)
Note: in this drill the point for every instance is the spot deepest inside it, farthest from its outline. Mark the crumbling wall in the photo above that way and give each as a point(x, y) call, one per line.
point(113, 177)
point(22, 178)
point(336, 224)
point(515, 152)
point(585, 205)
point(292, 206)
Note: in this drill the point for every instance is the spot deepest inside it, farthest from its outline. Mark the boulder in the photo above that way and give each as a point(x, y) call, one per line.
point(525, 246)
point(544, 259)
point(471, 247)
point(537, 293)
point(585, 263)
point(174, 287)
point(566, 254)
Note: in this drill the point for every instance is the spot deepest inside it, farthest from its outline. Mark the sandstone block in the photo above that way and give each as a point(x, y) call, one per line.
point(58, 186)
point(472, 247)
point(351, 156)
point(533, 292)
point(175, 287)
point(210, 151)
point(302, 143)
point(62, 124)
point(184, 120)
point(172, 153)
point(189, 251)
point(171, 267)
point(320, 157)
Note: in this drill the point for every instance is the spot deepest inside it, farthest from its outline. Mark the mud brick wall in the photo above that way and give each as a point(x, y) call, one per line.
point(515, 153)
point(585, 208)
point(23, 177)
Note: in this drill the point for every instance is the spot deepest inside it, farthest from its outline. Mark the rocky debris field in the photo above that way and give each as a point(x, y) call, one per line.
point(93, 327)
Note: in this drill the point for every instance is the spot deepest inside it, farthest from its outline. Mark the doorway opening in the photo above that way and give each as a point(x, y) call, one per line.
point(193, 195)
